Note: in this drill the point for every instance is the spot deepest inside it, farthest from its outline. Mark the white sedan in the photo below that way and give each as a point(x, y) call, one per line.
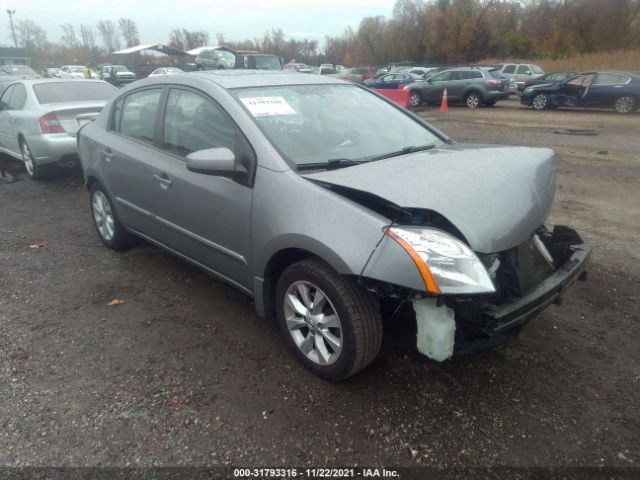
point(166, 71)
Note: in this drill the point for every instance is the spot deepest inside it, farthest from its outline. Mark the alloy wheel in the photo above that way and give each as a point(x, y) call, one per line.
point(102, 215)
point(540, 102)
point(313, 322)
point(624, 104)
point(415, 99)
point(473, 101)
point(27, 158)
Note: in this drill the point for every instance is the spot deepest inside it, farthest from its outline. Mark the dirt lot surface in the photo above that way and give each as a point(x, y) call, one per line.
point(183, 372)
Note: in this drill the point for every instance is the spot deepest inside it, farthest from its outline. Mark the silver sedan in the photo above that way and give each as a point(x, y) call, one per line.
point(39, 119)
point(322, 201)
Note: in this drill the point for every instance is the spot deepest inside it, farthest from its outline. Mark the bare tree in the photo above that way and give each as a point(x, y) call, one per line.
point(69, 37)
point(109, 35)
point(87, 37)
point(129, 31)
point(31, 36)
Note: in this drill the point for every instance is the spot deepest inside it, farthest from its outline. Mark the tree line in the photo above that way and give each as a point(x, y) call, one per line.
point(424, 31)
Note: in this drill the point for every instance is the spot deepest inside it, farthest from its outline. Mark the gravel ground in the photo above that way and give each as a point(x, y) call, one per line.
point(184, 373)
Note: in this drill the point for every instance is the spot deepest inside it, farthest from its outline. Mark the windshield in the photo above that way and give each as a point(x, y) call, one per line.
point(17, 70)
point(268, 63)
point(76, 69)
point(318, 123)
point(121, 68)
point(537, 70)
point(69, 92)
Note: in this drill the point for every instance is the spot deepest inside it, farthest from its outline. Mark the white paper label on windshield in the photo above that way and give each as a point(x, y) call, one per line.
point(268, 106)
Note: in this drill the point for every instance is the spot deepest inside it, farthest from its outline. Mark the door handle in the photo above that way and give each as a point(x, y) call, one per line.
point(107, 155)
point(163, 179)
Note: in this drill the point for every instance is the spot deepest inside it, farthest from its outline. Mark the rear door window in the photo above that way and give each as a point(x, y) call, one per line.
point(135, 115)
point(18, 97)
point(610, 79)
point(523, 70)
point(193, 122)
point(6, 96)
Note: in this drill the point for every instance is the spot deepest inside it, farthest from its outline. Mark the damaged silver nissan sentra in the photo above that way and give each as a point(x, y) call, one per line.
point(322, 200)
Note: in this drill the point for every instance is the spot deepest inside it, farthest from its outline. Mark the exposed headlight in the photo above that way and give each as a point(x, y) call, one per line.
point(446, 264)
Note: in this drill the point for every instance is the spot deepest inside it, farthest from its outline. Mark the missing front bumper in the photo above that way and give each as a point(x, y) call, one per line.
point(504, 317)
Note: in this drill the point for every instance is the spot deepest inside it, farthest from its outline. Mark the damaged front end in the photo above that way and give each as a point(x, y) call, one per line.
point(473, 306)
point(528, 278)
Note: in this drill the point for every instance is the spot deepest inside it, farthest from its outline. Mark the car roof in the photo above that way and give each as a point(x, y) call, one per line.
point(262, 78)
point(36, 81)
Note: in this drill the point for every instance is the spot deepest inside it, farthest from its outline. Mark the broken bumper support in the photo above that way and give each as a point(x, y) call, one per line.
point(502, 318)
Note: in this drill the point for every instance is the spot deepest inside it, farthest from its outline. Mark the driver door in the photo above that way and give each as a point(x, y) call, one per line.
point(435, 87)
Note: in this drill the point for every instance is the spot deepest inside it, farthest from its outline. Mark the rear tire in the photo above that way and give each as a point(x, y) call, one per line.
point(625, 104)
point(541, 102)
point(473, 100)
point(332, 324)
point(35, 171)
point(108, 226)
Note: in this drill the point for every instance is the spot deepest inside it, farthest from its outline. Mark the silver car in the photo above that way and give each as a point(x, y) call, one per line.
point(39, 119)
point(321, 200)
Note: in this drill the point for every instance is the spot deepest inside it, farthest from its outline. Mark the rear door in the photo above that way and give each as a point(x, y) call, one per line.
point(4, 117)
point(606, 88)
point(206, 218)
point(15, 118)
point(126, 158)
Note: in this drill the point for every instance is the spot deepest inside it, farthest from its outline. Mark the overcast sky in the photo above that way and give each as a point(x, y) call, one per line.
point(236, 19)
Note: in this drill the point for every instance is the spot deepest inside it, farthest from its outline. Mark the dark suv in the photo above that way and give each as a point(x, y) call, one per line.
point(473, 86)
point(257, 61)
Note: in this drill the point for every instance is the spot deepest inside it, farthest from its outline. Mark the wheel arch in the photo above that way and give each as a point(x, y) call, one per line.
point(264, 288)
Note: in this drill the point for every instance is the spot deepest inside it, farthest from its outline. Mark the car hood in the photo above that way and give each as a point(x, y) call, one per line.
point(495, 196)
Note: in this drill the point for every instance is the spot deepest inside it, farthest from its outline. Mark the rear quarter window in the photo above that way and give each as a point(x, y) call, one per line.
point(509, 69)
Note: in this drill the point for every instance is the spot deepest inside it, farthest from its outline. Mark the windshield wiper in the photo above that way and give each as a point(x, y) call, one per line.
point(403, 151)
point(330, 164)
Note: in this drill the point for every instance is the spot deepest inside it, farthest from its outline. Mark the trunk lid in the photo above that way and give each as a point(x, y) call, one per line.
point(495, 195)
point(74, 116)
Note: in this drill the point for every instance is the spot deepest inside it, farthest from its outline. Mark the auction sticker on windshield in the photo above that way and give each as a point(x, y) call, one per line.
point(268, 106)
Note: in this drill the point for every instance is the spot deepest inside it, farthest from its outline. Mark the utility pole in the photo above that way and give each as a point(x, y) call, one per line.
point(13, 30)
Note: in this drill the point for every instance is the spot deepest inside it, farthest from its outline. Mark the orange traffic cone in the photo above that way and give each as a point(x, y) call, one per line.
point(444, 106)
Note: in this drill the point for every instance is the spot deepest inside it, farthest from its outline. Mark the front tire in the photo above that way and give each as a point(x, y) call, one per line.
point(625, 105)
point(332, 324)
point(415, 99)
point(108, 226)
point(540, 102)
point(35, 171)
point(473, 100)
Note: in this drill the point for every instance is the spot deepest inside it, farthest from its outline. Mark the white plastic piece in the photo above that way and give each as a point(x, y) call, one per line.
point(436, 329)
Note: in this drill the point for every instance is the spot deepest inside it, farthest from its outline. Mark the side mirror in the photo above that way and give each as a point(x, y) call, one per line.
point(215, 161)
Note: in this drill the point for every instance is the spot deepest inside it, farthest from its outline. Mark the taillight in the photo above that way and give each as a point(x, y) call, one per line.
point(49, 123)
point(493, 83)
point(526, 83)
